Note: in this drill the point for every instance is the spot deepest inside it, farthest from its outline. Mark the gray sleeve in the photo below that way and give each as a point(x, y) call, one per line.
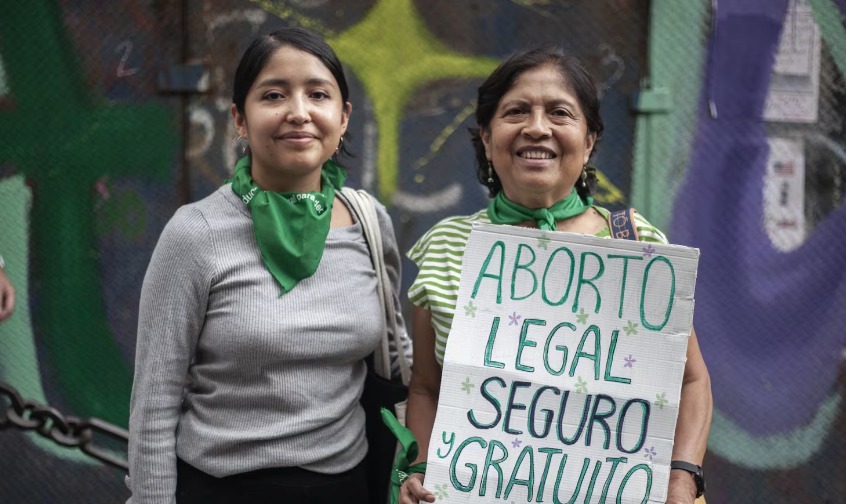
point(173, 305)
point(393, 263)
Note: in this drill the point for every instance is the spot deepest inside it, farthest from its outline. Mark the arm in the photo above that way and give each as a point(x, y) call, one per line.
point(7, 296)
point(423, 394)
point(171, 313)
point(693, 424)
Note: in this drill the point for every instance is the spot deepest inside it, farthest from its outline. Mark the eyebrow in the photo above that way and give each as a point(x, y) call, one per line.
point(556, 101)
point(285, 82)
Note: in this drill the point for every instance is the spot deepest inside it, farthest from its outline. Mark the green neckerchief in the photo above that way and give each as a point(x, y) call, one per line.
point(502, 210)
point(290, 227)
point(405, 455)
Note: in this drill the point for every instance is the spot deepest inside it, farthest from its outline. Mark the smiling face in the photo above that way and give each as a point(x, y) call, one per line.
point(293, 118)
point(538, 139)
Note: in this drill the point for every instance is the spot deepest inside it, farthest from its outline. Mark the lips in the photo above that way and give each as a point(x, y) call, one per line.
point(536, 153)
point(296, 135)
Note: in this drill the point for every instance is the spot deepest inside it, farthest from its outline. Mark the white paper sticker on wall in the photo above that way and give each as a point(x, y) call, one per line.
point(795, 86)
point(784, 194)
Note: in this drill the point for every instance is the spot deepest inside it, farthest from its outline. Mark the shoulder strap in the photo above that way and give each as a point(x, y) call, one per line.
point(361, 203)
point(622, 224)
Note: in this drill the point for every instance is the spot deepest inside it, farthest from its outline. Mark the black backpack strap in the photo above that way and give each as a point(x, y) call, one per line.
point(622, 225)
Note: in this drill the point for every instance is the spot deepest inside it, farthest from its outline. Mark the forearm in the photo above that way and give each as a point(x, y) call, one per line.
point(693, 425)
point(695, 408)
point(425, 382)
point(422, 406)
point(694, 421)
point(7, 296)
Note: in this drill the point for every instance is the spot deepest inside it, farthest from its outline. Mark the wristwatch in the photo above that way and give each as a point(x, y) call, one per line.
point(695, 470)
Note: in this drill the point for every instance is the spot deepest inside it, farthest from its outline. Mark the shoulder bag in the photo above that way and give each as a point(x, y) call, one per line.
point(381, 388)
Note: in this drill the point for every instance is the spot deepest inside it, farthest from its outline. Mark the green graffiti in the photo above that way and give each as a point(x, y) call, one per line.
point(18, 354)
point(394, 55)
point(64, 140)
point(4, 87)
point(775, 452)
point(125, 214)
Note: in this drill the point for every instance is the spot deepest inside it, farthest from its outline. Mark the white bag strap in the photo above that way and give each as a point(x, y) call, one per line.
point(361, 204)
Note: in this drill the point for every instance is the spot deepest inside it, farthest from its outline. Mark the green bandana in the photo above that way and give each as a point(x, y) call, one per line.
point(406, 453)
point(502, 210)
point(290, 227)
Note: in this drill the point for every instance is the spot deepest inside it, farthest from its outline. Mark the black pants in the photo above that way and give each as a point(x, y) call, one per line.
point(271, 486)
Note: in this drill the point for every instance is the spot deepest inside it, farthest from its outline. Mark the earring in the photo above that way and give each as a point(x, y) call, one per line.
point(584, 176)
point(242, 144)
point(490, 173)
point(340, 144)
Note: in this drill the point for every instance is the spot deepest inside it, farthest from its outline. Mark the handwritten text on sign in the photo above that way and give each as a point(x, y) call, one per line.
point(563, 369)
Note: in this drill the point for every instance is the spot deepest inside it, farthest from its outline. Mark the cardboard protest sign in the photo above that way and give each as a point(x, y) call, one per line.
point(563, 369)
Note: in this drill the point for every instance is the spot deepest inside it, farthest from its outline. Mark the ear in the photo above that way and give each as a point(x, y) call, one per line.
point(485, 135)
point(590, 141)
point(345, 117)
point(239, 122)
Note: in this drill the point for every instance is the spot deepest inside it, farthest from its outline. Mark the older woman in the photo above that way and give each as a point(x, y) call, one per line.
point(538, 124)
point(260, 305)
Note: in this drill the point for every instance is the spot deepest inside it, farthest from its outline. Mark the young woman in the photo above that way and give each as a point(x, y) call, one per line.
point(260, 305)
point(539, 122)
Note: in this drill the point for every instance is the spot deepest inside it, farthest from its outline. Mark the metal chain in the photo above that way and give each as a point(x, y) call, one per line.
point(68, 431)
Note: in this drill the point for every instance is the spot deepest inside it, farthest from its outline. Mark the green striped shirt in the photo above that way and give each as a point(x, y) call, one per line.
point(438, 255)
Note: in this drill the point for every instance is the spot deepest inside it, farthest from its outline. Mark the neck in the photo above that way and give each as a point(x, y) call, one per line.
point(288, 182)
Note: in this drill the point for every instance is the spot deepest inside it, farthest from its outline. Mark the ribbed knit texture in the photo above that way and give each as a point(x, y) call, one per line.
point(231, 377)
point(439, 254)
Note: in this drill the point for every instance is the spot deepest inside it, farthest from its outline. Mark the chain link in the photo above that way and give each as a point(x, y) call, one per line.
point(67, 431)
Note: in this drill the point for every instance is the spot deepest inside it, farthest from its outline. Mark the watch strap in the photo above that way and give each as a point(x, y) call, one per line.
point(695, 470)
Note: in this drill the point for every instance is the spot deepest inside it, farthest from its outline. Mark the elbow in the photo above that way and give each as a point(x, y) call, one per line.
point(422, 388)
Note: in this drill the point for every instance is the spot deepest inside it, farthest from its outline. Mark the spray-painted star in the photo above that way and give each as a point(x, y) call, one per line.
point(543, 241)
point(394, 33)
point(441, 491)
point(630, 328)
point(660, 400)
point(582, 316)
point(470, 309)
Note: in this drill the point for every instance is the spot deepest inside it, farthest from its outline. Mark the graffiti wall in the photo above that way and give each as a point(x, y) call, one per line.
point(113, 114)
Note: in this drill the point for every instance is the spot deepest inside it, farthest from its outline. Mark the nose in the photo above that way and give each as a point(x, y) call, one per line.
point(537, 126)
point(298, 111)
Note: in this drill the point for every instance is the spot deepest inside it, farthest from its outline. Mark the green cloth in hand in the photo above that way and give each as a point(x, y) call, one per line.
point(405, 456)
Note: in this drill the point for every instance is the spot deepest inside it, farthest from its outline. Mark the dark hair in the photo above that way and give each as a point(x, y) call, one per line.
point(261, 49)
point(502, 80)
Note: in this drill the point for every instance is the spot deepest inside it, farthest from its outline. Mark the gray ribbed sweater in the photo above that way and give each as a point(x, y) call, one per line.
point(232, 377)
